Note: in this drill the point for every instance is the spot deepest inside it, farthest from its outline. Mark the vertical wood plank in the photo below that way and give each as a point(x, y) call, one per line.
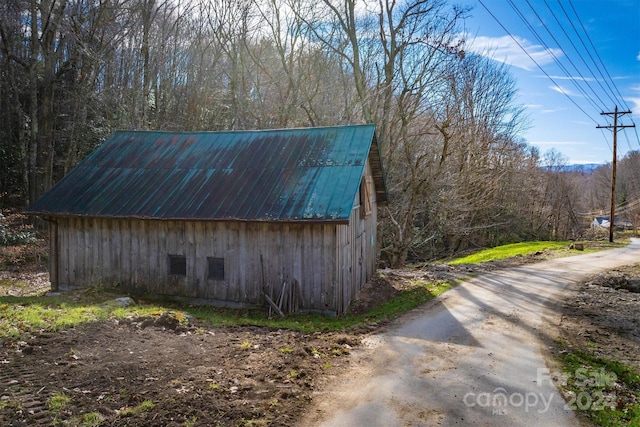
point(92, 234)
point(107, 271)
point(151, 254)
point(328, 266)
point(115, 249)
point(75, 245)
point(198, 277)
point(209, 249)
point(146, 273)
point(53, 254)
point(63, 253)
point(167, 282)
point(247, 263)
point(192, 280)
point(312, 294)
point(71, 245)
point(134, 252)
point(297, 258)
point(126, 254)
point(229, 236)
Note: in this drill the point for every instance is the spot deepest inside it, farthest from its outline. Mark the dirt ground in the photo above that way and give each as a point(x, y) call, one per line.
point(601, 316)
point(157, 371)
point(194, 375)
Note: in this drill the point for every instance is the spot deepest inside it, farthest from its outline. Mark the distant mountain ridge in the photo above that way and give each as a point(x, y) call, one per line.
point(586, 168)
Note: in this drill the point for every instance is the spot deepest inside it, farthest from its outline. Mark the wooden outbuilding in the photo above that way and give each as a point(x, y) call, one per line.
point(226, 217)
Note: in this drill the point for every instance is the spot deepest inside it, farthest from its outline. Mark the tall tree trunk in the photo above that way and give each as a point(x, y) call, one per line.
point(52, 44)
point(148, 15)
point(33, 104)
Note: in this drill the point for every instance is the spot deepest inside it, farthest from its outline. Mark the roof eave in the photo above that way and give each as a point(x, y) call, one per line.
point(377, 171)
point(150, 218)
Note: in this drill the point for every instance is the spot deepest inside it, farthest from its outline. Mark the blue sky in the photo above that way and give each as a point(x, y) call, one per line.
point(564, 107)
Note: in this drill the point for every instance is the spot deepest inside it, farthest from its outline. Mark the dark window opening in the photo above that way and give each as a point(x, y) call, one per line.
point(178, 265)
point(366, 207)
point(216, 268)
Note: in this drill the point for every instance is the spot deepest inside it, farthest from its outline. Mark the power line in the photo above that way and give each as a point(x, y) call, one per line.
point(610, 93)
point(553, 55)
point(620, 208)
point(627, 138)
point(605, 138)
point(562, 67)
point(595, 50)
point(576, 49)
point(534, 61)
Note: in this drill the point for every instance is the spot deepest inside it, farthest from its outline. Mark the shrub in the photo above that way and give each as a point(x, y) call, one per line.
point(14, 231)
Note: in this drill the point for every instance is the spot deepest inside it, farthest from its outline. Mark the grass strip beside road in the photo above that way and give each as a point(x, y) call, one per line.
point(605, 392)
point(406, 301)
point(509, 251)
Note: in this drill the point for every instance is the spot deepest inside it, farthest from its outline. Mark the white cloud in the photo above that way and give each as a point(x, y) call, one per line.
point(638, 57)
point(510, 50)
point(582, 79)
point(635, 105)
point(634, 101)
point(562, 90)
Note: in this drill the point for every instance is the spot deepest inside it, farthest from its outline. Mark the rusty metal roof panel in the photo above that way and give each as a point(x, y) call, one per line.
point(272, 175)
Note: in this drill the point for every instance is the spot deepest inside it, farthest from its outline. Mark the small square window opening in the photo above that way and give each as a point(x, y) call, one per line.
point(178, 265)
point(215, 269)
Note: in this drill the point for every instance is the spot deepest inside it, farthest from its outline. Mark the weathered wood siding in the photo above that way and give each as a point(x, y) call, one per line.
point(357, 247)
point(133, 254)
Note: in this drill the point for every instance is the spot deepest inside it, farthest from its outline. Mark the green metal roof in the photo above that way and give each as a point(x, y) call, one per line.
point(310, 174)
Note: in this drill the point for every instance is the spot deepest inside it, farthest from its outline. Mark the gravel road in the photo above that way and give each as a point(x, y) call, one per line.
point(473, 356)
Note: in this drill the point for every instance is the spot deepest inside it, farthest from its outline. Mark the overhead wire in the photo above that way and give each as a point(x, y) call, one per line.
point(553, 55)
point(586, 33)
point(605, 138)
point(576, 49)
point(627, 138)
point(620, 209)
point(609, 93)
point(594, 49)
point(535, 62)
point(562, 67)
point(623, 208)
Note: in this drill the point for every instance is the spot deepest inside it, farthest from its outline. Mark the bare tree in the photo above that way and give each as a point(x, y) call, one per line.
point(560, 197)
point(448, 122)
point(396, 53)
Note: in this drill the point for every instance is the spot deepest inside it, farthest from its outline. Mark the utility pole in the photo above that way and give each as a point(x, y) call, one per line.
point(615, 128)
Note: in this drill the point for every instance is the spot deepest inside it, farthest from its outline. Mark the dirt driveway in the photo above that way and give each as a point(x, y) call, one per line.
point(475, 356)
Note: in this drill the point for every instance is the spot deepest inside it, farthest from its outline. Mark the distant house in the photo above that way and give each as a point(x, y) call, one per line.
point(228, 217)
point(602, 222)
